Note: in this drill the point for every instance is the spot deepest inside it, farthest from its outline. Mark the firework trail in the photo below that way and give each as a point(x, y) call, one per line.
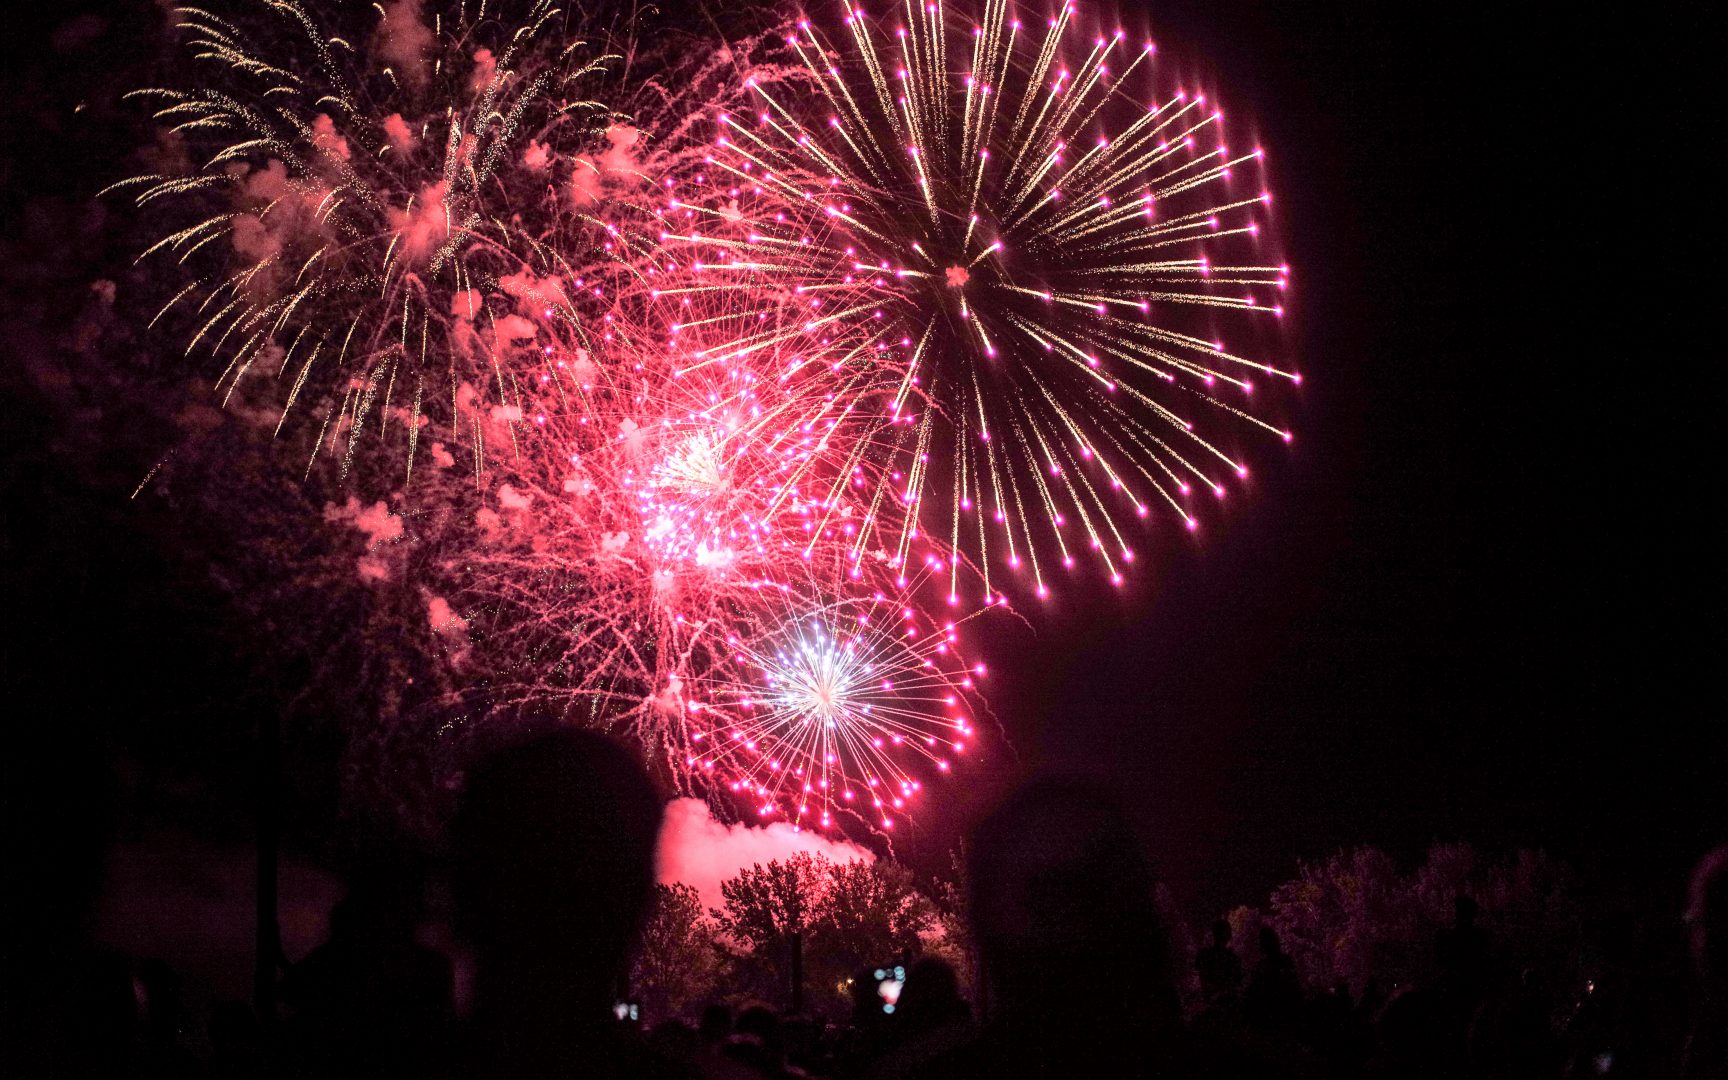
point(1040, 255)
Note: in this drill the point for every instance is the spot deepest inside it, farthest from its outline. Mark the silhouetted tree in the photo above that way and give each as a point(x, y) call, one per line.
point(851, 916)
point(954, 940)
point(869, 913)
point(763, 907)
point(1355, 915)
point(678, 963)
point(764, 904)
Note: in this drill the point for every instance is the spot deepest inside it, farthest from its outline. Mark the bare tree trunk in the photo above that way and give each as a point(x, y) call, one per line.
point(797, 972)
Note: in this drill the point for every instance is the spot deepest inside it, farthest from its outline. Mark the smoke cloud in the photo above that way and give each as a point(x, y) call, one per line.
point(701, 852)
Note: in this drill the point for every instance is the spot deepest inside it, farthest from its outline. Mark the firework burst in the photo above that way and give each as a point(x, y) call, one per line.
point(840, 710)
point(642, 484)
point(688, 497)
point(1040, 258)
point(732, 390)
point(373, 227)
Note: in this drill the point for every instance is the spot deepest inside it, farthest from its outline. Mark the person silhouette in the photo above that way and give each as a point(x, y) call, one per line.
point(1072, 948)
point(930, 1018)
point(553, 863)
point(931, 998)
point(371, 1000)
point(1461, 952)
point(1274, 995)
point(757, 1043)
point(1219, 967)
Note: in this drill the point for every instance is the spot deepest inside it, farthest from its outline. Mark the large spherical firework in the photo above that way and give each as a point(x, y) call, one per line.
point(1045, 254)
point(843, 709)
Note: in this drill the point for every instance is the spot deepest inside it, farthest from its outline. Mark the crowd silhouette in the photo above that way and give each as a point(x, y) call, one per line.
point(547, 881)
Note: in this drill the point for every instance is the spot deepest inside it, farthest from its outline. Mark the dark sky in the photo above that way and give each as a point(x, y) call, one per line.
point(1474, 600)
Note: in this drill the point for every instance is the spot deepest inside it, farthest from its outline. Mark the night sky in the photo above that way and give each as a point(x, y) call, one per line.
point(1475, 599)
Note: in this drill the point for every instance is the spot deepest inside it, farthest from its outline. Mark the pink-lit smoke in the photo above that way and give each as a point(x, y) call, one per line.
point(701, 852)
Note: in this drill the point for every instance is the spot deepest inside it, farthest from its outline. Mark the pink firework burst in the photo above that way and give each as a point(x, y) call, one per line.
point(844, 709)
point(1039, 242)
point(693, 488)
